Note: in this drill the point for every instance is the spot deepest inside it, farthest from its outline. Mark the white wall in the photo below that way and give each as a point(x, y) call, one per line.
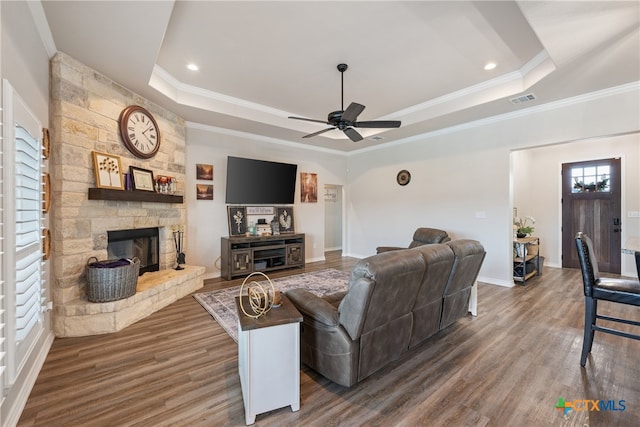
point(461, 177)
point(207, 220)
point(537, 188)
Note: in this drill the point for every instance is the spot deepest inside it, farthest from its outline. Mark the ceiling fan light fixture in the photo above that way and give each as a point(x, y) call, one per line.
point(346, 120)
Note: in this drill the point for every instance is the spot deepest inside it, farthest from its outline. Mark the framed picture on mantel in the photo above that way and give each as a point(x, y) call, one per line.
point(108, 171)
point(141, 179)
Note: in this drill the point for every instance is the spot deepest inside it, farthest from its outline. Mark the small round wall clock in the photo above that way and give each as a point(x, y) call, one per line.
point(403, 177)
point(139, 131)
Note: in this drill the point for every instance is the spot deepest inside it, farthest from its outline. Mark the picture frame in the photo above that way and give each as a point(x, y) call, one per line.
point(260, 210)
point(204, 192)
point(141, 179)
point(204, 171)
point(237, 216)
point(108, 171)
point(308, 187)
point(285, 219)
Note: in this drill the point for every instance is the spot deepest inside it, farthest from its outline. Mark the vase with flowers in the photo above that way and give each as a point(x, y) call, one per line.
point(523, 227)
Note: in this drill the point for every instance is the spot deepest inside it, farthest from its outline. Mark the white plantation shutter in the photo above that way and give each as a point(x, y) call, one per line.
point(22, 289)
point(28, 231)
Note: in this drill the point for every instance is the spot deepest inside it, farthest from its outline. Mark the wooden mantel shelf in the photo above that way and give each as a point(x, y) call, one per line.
point(132, 196)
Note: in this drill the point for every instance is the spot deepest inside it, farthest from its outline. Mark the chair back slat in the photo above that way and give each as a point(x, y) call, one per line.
point(588, 263)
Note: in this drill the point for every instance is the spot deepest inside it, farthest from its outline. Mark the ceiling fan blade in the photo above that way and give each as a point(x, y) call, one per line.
point(310, 120)
point(378, 124)
point(319, 132)
point(352, 112)
point(353, 134)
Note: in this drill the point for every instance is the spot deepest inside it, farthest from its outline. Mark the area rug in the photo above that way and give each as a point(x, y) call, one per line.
point(221, 303)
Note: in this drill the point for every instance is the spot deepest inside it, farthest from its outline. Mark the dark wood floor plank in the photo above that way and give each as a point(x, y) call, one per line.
point(507, 366)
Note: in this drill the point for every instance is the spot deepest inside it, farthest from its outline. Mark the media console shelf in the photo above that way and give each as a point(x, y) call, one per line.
point(241, 256)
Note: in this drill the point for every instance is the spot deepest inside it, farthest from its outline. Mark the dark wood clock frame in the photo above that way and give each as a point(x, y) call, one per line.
point(122, 124)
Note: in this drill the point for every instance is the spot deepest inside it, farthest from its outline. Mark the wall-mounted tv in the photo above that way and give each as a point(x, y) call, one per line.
point(260, 182)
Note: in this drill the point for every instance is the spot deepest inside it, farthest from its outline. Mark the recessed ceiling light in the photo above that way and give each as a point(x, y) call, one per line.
point(192, 67)
point(490, 66)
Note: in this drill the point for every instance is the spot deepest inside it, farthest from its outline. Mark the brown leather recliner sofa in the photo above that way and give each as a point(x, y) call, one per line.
point(422, 236)
point(394, 302)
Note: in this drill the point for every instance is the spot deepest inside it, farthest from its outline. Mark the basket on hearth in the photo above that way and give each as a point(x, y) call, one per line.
point(111, 280)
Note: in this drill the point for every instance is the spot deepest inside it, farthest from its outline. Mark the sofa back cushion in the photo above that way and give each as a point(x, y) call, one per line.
point(389, 281)
point(469, 255)
point(427, 309)
point(382, 321)
point(428, 236)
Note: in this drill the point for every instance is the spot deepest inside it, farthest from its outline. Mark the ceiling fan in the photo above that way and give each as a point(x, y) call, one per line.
point(345, 120)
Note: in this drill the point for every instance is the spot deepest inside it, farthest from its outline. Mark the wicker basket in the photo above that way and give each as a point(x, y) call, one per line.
point(110, 284)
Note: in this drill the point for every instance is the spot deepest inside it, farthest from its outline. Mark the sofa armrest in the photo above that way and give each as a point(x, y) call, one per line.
point(314, 307)
point(381, 249)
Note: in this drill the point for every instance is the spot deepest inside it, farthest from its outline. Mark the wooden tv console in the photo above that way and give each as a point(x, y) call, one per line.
point(241, 256)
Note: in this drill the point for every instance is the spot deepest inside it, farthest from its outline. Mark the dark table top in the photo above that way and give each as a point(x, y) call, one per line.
point(286, 313)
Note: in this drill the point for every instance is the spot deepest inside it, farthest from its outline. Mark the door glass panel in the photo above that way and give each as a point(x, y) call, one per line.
point(591, 179)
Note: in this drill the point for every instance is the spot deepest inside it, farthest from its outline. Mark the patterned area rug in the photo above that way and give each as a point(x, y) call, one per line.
point(221, 303)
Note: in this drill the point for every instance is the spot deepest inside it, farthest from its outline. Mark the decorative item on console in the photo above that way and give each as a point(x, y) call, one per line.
point(261, 298)
point(285, 219)
point(523, 228)
point(237, 217)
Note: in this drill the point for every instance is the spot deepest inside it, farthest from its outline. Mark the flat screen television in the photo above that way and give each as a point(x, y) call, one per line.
point(260, 182)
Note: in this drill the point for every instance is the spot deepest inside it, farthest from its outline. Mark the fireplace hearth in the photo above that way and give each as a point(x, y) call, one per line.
point(138, 242)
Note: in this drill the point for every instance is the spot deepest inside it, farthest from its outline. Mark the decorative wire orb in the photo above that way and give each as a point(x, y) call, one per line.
point(259, 297)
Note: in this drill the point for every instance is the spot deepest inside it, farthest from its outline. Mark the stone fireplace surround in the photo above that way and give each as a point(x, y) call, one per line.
point(85, 107)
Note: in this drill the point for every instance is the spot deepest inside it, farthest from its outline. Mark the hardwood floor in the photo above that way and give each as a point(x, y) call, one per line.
point(506, 367)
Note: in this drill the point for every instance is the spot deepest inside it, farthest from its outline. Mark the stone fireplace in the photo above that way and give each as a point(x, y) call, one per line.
point(85, 107)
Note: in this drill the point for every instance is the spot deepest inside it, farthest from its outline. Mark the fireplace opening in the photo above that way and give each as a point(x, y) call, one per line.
point(139, 242)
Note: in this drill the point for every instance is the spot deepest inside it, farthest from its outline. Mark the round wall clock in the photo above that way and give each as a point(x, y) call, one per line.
point(139, 131)
point(403, 177)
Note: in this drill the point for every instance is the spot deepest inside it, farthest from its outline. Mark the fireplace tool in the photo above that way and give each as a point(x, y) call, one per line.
point(177, 240)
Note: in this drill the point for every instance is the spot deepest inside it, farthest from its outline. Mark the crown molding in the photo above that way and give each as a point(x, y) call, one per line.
point(579, 99)
point(42, 25)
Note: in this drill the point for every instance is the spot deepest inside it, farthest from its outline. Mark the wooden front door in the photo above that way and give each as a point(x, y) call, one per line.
point(591, 204)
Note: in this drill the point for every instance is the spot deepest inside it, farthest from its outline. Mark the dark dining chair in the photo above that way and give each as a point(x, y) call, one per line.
point(622, 291)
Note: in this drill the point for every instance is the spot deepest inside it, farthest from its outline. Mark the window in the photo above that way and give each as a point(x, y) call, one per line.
point(591, 179)
point(22, 289)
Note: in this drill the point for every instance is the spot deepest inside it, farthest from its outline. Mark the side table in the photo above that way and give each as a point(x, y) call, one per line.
point(269, 358)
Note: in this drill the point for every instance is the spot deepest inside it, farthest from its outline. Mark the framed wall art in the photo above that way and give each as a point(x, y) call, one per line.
point(108, 171)
point(204, 171)
point(308, 187)
point(285, 219)
point(237, 220)
point(204, 192)
point(141, 179)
